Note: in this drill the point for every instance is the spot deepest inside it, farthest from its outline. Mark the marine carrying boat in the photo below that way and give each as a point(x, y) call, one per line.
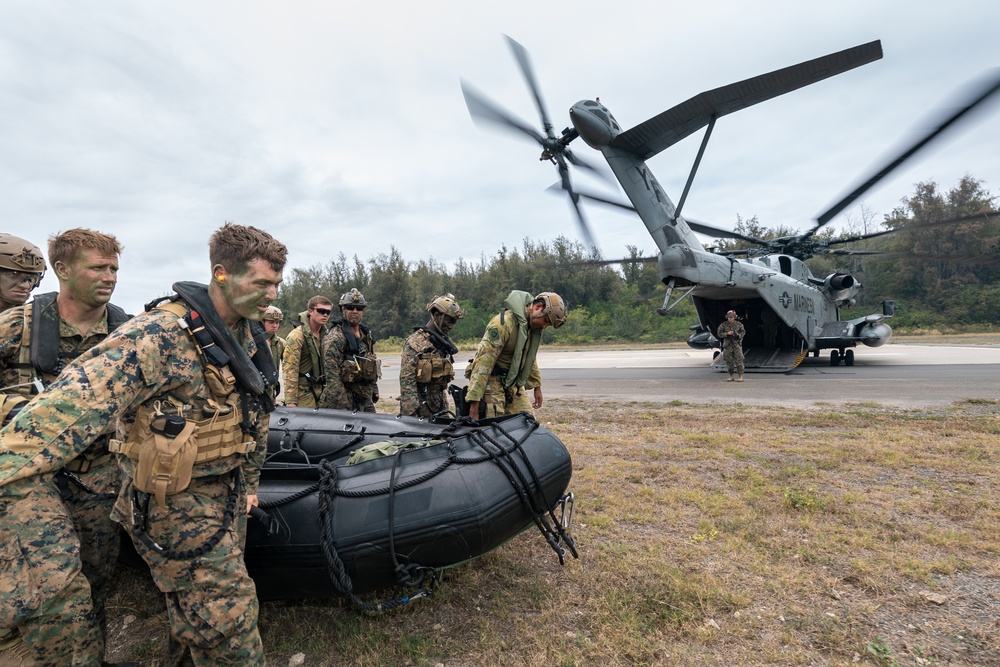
point(441, 493)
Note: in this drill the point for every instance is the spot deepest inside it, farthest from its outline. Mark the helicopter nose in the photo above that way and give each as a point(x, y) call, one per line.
point(592, 123)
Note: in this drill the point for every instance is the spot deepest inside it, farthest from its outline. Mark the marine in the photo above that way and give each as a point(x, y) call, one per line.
point(505, 365)
point(349, 354)
point(22, 267)
point(272, 322)
point(37, 341)
point(188, 387)
point(427, 362)
point(731, 333)
point(305, 371)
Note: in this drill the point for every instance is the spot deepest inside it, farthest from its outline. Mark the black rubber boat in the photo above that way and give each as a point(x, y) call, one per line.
point(453, 491)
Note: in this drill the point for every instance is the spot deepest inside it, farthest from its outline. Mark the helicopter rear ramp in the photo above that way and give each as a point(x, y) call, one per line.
point(761, 360)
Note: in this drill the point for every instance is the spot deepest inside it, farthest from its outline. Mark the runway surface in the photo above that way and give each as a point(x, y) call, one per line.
point(897, 374)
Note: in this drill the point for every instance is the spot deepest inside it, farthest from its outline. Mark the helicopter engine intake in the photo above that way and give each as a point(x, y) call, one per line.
point(841, 286)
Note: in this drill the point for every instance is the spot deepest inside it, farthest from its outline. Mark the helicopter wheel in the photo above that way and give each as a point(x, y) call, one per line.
point(849, 358)
point(834, 358)
point(715, 355)
point(816, 353)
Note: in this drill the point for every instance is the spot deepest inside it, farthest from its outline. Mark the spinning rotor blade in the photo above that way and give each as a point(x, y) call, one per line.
point(574, 198)
point(982, 93)
point(521, 55)
point(597, 171)
point(698, 227)
point(482, 108)
point(927, 225)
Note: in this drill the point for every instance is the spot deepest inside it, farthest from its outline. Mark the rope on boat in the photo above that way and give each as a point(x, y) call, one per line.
point(335, 566)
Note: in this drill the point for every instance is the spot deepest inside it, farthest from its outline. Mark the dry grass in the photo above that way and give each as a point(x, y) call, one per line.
point(708, 536)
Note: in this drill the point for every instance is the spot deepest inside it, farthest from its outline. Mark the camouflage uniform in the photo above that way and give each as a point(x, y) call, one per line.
point(488, 372)
point(353, 379)
point(148, 364)
point(732, 348)
point(305, 373)
point(89, 483)
point(278, 346)
point(424, 373)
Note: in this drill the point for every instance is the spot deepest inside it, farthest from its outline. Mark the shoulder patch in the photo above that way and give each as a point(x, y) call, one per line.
point(493, 334)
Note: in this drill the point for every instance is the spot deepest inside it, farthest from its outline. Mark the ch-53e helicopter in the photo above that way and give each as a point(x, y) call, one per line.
point(787, 311)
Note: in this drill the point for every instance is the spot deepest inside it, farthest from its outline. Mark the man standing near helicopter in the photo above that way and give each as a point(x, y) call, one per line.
point(731, 334)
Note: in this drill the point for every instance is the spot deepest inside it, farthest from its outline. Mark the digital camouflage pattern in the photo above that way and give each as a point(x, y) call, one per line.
point(43, 592)
point(732, 349)
point(340, 395)
point(496, 351)
point(303, 356)
point(149, 361)
point(90, 490)
point(421, 399)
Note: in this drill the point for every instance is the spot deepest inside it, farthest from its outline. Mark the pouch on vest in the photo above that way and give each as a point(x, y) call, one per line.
point(434, 368)
point(361, 369)
point(221, 381)
point(166, 459)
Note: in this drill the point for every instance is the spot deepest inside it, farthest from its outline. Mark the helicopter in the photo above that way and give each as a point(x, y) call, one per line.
point(788, 312)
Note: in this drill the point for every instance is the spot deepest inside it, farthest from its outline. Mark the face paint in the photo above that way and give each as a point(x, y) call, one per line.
point(248, 294)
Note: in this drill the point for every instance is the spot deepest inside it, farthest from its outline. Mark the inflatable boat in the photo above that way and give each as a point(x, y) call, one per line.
point(426, 495)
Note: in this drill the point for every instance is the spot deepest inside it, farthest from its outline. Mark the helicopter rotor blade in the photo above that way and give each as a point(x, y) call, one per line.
point(524, 62)
point(597, 171)
point(982, 93)
point(699, 227)
point(574, 199)
point(985, 215)
point(482, 108)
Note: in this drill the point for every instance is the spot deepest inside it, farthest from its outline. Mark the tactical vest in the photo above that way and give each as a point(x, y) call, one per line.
point(167, 440)
point(39, 357)
point(359, 365)
point(434, 366)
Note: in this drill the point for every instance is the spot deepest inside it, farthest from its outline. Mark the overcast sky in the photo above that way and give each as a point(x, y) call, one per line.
point(341, 127)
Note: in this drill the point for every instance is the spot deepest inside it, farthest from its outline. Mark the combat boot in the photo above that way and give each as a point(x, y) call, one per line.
point(731, 378)
point(740, 378)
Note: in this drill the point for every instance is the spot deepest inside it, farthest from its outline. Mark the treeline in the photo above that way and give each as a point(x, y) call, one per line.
point(944, 277)
point(606, 303)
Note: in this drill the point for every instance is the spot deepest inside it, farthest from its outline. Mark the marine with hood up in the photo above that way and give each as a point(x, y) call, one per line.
point(148, 364)
point(494, 361)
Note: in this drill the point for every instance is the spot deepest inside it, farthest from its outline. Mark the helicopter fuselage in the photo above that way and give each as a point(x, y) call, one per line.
point(787, 311)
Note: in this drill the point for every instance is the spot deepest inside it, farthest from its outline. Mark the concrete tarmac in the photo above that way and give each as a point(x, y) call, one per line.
point(901, 375)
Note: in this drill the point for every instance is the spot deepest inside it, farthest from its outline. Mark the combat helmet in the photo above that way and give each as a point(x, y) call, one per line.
point(274, 313)
point(446, 304)
point(354, 297)
point(554, 307)
point(16, 254)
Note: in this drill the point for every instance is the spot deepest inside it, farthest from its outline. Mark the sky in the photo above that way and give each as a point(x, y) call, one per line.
point(341, 127)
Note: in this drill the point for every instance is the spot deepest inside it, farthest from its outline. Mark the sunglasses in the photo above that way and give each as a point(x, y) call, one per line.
point(323, 311)
point(23, 276)
point(353, 307)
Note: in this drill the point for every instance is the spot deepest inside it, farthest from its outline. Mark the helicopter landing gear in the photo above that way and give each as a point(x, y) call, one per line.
point(836, 356)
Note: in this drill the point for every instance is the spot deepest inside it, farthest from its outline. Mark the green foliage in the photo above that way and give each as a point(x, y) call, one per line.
point(939, 277)
point(605, 304)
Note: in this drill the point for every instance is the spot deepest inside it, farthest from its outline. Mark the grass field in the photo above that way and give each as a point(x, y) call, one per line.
point(735, 535)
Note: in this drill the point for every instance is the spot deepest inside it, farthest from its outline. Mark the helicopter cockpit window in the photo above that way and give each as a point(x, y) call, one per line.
point(785, 264)
point(589, 103)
